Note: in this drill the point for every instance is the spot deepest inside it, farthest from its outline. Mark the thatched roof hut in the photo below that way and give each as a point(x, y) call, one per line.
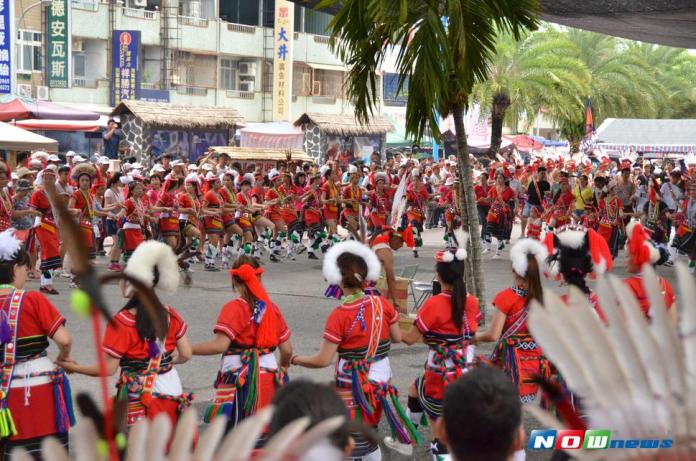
point(146, 128)
point(175, 117)
point(346, 125)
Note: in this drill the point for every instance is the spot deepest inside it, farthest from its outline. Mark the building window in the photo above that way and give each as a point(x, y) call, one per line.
point(79, 65)
point(228, 74)
point(28, 51)
point(390, 87)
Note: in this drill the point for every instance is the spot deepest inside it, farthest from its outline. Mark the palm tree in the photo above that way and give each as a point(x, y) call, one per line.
point(539, 70)
point(443, 47)
point(622, 83)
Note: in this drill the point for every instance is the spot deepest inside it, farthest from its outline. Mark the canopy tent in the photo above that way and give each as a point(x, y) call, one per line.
point(667, 22)
point(19, 108)
point(13, 138)
point(524, 143)
point(273, 135)
point(650, 136)
point(549, 142)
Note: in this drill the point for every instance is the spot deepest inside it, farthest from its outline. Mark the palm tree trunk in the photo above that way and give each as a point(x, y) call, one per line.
point(501, 102)
point(470, 222)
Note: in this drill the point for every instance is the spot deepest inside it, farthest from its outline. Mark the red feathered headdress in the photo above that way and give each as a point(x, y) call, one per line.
point(639, 247)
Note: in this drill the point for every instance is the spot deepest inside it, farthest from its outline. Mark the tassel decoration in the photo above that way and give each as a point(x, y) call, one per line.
point(333, 291)
point(7, 425)
point(358, 394)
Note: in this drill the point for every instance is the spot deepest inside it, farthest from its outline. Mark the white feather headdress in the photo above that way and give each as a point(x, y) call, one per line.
point(153, 254)
point(9, 245)
point(524, 247)
point(331, 271)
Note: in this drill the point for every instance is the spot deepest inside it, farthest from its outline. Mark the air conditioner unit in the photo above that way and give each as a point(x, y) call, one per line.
point(247, 69)
point(316, 88)
point(42, 93)
point(24, 90)
point(78, 45)
point(139, 3)
point(246, 87)
point(306, 84)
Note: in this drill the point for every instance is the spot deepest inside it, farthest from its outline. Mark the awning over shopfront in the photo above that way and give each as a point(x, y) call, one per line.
point(275, 135)
point(20, 108)
point(327, 67)
point(14, 138)
point(660, 136)
point(36, 124)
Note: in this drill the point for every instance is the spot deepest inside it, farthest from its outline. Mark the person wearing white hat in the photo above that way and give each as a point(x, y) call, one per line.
point(417, 198)
point(47, 231)
point(53, 158)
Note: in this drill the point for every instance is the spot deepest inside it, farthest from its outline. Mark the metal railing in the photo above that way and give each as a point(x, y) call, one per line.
point(195, 22)
point(89, 5)
point(243, 28)
point(322, 39)
point(139, 13)
point(149, 86)
point(240, 94)
point(192, 90)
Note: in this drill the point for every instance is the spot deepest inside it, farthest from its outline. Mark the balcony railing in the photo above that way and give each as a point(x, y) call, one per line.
point(243, 28)
point(89, 5)
point(139, 13)
point(149, 86)
point(195, 22)
point(192, 90)
point(240, 94)
point(322, 39)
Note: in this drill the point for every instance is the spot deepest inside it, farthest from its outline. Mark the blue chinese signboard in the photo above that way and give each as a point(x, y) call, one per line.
point(125, 78)
point(6, 46)
point(59, 44)
point(154, 95)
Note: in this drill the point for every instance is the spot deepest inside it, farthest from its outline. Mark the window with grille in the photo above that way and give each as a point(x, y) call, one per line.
point(28, 51)
point(228, 74)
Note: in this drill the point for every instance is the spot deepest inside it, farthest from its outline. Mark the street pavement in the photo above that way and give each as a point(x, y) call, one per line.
point(297, 287)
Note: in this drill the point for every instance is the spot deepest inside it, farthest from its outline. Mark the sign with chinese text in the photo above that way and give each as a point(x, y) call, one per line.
point(7, 35)
point(282, 60)
point(59, 44)
point(125, 76)
point(154, 95)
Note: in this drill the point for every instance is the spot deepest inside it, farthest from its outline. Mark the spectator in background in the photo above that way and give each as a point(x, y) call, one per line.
point(112, 139)
point(482, 417)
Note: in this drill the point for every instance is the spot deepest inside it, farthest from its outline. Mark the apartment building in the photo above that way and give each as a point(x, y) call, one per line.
point(192, 52)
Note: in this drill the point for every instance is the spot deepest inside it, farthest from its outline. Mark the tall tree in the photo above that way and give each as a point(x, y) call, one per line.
point(538, 70)
point(443, 47)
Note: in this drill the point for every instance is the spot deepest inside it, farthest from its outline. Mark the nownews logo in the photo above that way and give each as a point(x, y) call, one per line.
point(596, 439)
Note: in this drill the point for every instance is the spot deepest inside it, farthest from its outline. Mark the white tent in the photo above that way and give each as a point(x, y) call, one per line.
point(14, 138)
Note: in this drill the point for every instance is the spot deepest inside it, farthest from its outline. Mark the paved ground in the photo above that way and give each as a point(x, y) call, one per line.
point(297, 287)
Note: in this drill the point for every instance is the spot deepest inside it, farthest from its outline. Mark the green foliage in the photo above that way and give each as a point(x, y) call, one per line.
point(442, 62)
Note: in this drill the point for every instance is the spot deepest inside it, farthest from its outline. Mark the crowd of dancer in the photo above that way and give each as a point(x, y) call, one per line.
point(232, 216)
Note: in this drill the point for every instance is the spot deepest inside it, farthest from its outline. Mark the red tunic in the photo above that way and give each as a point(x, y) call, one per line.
point(435, 323)
point(122, 341)
point(516, 346)
point(187, 202)
point(563, 208)
point(416, 204)
point(338, 326)
point(353, 193)
point(380, 207)
point(274, 212)
point(635, 283)
point(168, 221)
point(213, 224)
point(331, 192)
point(46, 232)
point(38, 319)
point(133, 228)
point(235, 322)
point(312, 209)
point(228, 198)
point(6, 209)
point(86, 217)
